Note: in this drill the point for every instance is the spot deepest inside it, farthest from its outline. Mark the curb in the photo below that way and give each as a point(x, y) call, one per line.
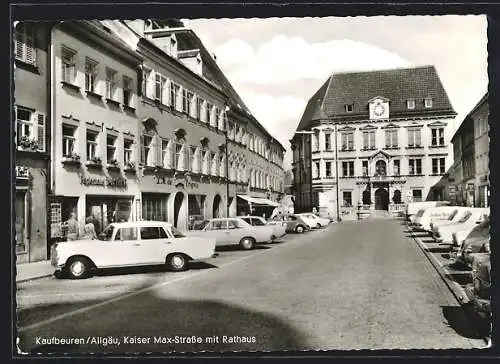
point(454, 287)
point(45, 275)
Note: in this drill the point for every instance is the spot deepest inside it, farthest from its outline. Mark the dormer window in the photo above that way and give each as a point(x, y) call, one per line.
point(349, 107)
point(410, 104)
point(428, 102)
point(173, 46)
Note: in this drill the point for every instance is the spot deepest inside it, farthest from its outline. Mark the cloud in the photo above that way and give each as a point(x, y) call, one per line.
point(286, 59)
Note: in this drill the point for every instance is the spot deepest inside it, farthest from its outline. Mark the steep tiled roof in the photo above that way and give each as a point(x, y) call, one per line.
point(397, 85)
point(314, 109)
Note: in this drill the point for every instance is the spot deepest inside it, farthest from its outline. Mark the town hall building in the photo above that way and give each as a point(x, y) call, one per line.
point(372, 141)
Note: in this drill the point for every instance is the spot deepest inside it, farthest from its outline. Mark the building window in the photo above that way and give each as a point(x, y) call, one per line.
point(68, 140)
point(24, 48)
point(316, 141)
point(110, 148)
point(391, 138)
point(146, 150)
point(328, 141)
point(68, 57)
point(415, 166)
point(438, 165)
point(159, 85)
point(328, 167)
point(110, 83)
point(347, 140)
point(348, 169)
point(437, 137)
point(165, 154)
point(349, 107)
point(127, 151)
point(369, 140)
point(30, 128)
point(397, 167)
point(347, 198)
point(365, 168)
point(428, 102)
point(91, 145)
point(147, 83)
point(380, 168)
point(154, 207)
point(417, 195)
point(193, 156)
point(174, 95)
point(316, 170)
point(414, 138)
point(127, 91)
point(208, 113)
point(199, 107)
point(90, 75)
point(410, 104)
point(178, 156)
point(213, 169)
point(187, 98)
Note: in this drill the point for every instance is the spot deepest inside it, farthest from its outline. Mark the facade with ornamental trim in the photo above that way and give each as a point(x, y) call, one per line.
point(372, 140)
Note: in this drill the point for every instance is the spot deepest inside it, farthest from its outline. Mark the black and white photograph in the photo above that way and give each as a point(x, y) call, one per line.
point(281, 184)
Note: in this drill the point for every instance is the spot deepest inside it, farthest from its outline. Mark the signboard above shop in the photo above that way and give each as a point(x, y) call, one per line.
point(112, 182)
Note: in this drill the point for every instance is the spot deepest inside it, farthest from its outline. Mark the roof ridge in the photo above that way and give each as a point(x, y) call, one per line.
point(378, 70)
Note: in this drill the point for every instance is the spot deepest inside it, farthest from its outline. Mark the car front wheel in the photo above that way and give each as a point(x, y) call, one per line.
point(247, 243)
point(299, 229)
point(177, 262)
point(78, 268)
point(318, 225)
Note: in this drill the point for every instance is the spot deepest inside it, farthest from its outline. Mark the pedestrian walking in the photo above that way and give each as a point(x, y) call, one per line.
point(72, 224)
point(89, 229)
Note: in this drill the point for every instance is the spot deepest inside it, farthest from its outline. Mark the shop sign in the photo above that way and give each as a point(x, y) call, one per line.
point(108, 181)
point(162, 180)
point(22, 172)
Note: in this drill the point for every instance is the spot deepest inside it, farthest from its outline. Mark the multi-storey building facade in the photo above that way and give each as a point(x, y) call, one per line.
point(470, 170)
point(95, 126)
point(377, 140)
point(200, 146)
point(32, 139)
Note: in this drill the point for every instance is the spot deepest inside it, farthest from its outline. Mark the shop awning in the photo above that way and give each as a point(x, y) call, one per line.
point(259, 201)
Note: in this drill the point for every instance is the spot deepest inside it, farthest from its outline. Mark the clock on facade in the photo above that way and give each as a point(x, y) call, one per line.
point(379, 109)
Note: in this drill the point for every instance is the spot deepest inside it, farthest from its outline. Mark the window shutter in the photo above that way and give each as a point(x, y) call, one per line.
point(168, 156)
point(179, 100)
point(418, 137)
point(143, 151)
point(150, 85)
point(40, 130)
point(166, 92)
point(19, 45)
point(193, 106)
point(157, 150)
point(203, 116)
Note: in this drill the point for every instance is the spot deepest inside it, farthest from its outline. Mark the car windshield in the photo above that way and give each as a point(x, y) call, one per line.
point(107, 233)
point(453, 214)
point(201, 225)
point(465, 217)
point(176, 233)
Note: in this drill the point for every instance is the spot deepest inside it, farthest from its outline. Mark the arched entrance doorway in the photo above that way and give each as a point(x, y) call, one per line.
point(179, 199)
point(216, 206)
point(381, 199)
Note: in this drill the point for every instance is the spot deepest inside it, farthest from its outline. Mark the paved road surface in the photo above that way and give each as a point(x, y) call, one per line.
point(354, 285)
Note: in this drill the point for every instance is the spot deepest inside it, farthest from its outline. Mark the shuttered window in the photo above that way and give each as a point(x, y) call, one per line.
point(24, 45)
point(30, 128)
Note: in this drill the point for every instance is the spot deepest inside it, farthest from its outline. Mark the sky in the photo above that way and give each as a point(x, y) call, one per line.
point(277, 64)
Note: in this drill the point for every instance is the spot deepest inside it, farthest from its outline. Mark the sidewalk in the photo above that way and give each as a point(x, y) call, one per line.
point(29, 271)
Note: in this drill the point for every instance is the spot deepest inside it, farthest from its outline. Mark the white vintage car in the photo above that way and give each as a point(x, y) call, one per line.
point(232, 231)
point(279, 227)
point(314, 221)
point(129, 244)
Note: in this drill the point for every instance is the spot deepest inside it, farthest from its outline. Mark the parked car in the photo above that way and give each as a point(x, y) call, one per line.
point(471, 249)
point(479, 231)
point(233, 231)
point(413, 207)
point(435, 215)
point(453, 218)
point(314, 221)
point(128, 244)
point(479, 292)
point(294, 223)
point(471, 218)
point(279, 227)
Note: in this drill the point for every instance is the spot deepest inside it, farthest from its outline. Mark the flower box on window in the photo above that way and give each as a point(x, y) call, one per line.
point(94, 162)
point(113, 164)
point(130, 167)
point(73, 159)
point(27, 143)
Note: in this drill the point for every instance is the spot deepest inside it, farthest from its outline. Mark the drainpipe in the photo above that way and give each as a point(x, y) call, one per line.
point(226, 151)
point(337, 173)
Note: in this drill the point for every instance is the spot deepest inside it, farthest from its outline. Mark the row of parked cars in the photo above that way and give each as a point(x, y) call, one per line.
point(466, 230)
point(142, 243)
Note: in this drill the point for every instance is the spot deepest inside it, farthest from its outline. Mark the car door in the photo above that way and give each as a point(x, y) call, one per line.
point(125, 248)
point(154, 245)
point(234, 231)
point(219, 231)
